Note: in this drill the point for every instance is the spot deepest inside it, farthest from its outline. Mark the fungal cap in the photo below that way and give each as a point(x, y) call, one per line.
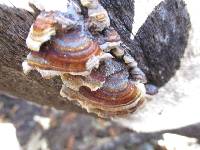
point(97, 101)
point(71, 51)
point(110, 40)
point(118, 51)
point(98, 18)
point(36, 39)
point(41, 31)
point(90, 3)
point(116, 97)
point(46, 26)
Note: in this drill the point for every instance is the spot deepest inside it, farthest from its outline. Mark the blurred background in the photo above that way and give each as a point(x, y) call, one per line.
point(26, 126)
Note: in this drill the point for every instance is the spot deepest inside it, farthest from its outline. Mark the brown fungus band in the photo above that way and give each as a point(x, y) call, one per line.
point(118, 95)
point(68, 51)
point(46, 25)
point(79, 50)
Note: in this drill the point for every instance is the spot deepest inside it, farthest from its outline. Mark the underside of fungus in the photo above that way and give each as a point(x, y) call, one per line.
point(86, 52)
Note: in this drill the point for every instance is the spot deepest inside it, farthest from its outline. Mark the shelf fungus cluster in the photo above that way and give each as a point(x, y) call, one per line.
point(86, 53)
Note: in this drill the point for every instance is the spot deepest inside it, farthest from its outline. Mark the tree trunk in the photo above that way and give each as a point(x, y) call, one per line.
point(158, 47)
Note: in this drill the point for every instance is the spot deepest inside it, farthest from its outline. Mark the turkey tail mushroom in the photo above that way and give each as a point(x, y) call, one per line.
point(98, 16)
point(68, 51)
point(80, 50)
point(45, 26)
point(118, 96)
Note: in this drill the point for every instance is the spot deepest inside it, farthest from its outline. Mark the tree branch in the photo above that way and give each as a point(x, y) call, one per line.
point(158, 46)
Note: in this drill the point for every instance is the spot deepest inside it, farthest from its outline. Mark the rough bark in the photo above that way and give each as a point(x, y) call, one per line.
point(122, 16)
point(158, 47)
point(162, 39)
point(14, 28)
point(160, 43)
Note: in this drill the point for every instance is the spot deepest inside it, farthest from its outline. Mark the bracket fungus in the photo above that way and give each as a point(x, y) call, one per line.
point(68, 51)
point(86, 53)
point(117, 96)
point(98, 18)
